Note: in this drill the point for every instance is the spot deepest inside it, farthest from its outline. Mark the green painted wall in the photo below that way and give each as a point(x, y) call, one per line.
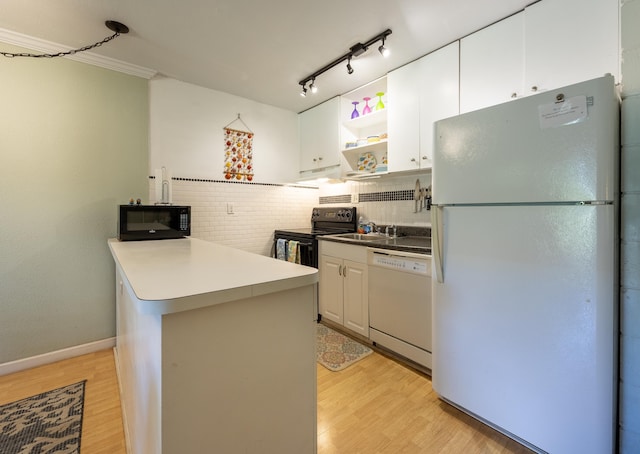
point(73, 145)
point(629, 402)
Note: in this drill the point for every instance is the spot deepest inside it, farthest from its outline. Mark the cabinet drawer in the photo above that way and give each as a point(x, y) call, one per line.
point(344, 251)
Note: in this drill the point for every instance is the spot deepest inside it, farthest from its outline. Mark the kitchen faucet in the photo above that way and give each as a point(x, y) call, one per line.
point(393, 230)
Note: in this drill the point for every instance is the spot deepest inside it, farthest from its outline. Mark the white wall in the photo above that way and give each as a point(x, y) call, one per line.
point(73, 145)
point(186, 137)
point(629, 435)
point(186, 132)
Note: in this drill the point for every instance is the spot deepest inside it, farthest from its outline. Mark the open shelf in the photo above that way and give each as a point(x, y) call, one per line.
point(363, 121)
point(377, 149)
point(372, 147)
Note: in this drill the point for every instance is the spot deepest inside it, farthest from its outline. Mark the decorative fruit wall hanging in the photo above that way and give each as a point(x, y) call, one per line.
point(238, 153)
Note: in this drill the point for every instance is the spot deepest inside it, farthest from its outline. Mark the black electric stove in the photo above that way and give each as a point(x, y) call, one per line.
point(324, 221)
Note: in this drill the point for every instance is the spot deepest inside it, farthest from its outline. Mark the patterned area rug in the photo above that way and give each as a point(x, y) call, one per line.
point(336, 351)
point(50, 422)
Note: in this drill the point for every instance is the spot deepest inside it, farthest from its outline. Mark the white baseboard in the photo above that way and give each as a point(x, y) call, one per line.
point(58, 355)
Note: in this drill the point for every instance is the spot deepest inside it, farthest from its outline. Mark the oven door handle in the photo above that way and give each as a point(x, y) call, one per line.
point(306, 253)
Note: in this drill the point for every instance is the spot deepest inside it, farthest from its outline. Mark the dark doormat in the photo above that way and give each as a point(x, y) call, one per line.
point(50, 422)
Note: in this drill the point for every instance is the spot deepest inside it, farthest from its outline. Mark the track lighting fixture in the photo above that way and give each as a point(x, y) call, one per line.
point(349, 68)
point(354, 51)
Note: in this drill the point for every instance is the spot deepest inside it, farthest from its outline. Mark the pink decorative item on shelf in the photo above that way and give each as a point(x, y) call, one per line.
point(366, 109)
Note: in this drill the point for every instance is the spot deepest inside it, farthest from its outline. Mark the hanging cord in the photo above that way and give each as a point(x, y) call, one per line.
point(117, 27)
point(240, 120)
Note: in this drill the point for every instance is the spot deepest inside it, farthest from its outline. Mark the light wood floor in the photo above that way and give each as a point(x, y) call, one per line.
point(380, 406)
point(373, 406)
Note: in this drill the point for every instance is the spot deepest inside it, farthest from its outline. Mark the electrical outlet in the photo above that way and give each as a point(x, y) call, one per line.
point(354, 197)
point(229, 208)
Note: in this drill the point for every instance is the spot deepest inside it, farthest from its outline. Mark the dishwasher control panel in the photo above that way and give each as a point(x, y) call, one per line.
point(399, 263)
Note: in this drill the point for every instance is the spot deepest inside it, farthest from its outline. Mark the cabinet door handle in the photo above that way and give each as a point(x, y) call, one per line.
point(344, 271)
point(534, 88)
point(339, 270)
point(514, 95)
point(320, 158)
point(424, 158)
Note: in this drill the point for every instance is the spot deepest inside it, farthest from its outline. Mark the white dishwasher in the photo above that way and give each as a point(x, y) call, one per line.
point(400, 303)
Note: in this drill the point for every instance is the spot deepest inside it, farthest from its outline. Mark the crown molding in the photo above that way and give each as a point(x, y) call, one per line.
point(40, 45)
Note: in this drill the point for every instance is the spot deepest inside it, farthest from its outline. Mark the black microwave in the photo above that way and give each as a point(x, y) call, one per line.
point(153, 222)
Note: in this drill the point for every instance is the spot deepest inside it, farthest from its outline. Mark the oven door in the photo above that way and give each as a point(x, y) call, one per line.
point(307, 248)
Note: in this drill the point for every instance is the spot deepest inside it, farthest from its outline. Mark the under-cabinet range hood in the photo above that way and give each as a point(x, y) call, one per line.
point(316, 177)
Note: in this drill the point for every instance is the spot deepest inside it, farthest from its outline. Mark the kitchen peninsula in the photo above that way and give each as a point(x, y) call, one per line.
point(215, 349)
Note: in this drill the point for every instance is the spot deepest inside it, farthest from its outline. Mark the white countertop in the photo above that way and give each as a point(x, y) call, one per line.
point(161, 271)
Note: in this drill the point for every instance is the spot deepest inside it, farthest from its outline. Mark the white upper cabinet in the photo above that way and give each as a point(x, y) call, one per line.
point(403, 119)
point(421, 93)
point(549, 45)
point(492, 64)
point(320, 136)
point(570, 41)
point(439, 94)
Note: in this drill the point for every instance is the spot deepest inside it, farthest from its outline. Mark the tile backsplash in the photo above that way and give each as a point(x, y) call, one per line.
point(244, 215)
point(387, 200)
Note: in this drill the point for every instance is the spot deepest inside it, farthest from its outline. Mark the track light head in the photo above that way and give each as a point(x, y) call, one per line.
point(313, 87)
point(349, 68)
point(383, 50)
point(303, 93)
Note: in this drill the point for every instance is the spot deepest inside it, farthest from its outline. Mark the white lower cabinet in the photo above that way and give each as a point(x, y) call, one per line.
point(343, 289)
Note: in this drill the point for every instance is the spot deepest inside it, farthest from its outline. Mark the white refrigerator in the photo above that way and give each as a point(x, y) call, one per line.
point(525, 241)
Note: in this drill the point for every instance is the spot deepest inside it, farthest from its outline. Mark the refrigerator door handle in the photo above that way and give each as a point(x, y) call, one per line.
point(436, 242)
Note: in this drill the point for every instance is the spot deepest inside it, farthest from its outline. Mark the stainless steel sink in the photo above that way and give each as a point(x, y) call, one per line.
point(410, 241)
point(360, 236)
point(407, 243)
